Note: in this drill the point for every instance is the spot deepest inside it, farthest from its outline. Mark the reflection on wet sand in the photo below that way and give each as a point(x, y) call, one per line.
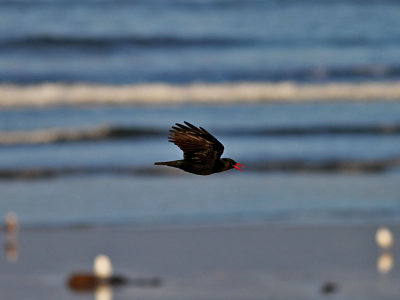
point(385, 263)
point(11, 249)
point(11, 228)
point(384, 239)
point(103, 292)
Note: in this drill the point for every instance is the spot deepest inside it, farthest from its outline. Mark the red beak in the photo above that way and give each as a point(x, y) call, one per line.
point(237, 167)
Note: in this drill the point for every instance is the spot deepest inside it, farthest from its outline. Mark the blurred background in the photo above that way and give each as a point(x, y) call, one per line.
point(307, 161)
point(73, 155)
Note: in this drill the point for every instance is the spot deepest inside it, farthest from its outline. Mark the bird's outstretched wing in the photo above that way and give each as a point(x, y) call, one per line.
point(197, 144)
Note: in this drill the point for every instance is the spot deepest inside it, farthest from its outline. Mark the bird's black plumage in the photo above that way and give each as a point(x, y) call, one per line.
point(201, 151)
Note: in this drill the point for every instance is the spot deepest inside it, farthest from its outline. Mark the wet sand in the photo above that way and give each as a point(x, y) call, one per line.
point(247, 262)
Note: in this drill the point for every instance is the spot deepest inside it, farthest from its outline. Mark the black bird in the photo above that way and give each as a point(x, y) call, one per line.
point(201, 151)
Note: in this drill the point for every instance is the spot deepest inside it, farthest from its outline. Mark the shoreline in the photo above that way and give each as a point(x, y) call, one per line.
point(182, 227)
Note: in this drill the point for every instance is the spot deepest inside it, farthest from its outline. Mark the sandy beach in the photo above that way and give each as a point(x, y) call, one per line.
point(247, 262)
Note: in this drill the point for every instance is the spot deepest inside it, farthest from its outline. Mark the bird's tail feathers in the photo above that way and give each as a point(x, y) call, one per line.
point(174, 163)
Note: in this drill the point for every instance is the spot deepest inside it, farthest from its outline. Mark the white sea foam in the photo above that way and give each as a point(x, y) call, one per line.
point(51, 94)
point(52, 135)
point(107, 132)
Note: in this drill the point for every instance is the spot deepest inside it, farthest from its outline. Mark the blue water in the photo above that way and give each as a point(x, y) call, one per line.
point(187, 41)
point(204, 40)
point(145, 150)
point(222, 199)
point(182, 199)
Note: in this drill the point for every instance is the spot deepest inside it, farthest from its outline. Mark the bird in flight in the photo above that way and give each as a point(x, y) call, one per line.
point(201, 151)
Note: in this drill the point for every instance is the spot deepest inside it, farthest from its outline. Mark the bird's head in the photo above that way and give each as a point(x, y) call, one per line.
point(230, 164)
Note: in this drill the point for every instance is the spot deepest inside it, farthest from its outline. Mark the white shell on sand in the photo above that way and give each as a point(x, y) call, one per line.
point(384, 238)
point(102, 266)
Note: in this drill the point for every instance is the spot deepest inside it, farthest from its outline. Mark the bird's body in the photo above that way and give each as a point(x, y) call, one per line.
point(198, 168)
point(201, 151)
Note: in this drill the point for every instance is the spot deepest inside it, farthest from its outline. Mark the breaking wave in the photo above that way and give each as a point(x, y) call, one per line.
point(56, 94)
point(34, 137)
point(49, 136)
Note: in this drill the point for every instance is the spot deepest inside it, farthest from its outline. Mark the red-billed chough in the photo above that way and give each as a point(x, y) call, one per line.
point(201, 151)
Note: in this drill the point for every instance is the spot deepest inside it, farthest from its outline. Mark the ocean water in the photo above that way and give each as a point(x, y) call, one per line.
point(132, 41)
point(319, 161)
point(294, 174)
